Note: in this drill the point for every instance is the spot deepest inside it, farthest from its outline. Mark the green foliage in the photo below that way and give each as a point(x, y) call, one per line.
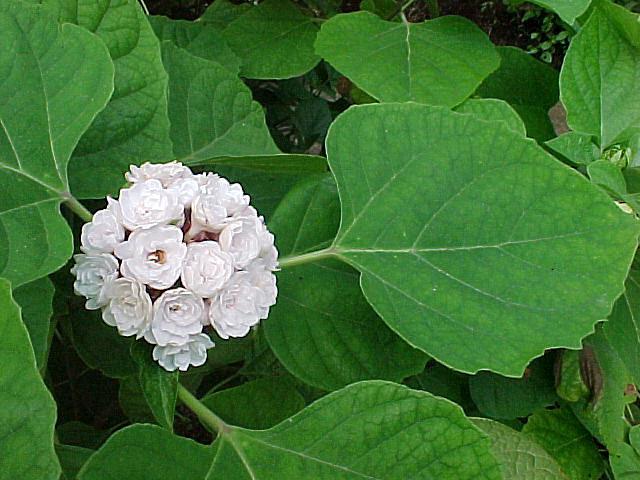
point(446, 234)
point(27, 410)
point(440, 62)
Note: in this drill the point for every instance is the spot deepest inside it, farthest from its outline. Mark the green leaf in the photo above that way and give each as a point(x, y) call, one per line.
point(58, 78)
point(510, 398)
point(273, 40)
point(528, 85)
point(147, 452)
point(27, 409)
point(444, 382)
point(599, 75)
point(559, 433)
point(132, 401)
point(578, 148)
point(198, 38)
point(72, 459)
point(493, 110)
point(520, 457)
point(99, 345)
point(462, 233)
point(439, 62)
point(259, 404)
point(603, 412)
point(626, 465)
point(35, 300)
point(222, 12)
point(622, 330)
point(212, 112)
point(134, 126)
point(160, 388)
point(567, 10)
point(322, 329)
point(608, 176)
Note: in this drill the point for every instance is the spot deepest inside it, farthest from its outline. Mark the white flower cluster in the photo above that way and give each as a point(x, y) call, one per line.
point(175, 254)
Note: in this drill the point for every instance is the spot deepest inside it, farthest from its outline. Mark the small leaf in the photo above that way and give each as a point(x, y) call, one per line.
point(520, 457)
point(134, 127)
point(35, 300)
point(493, 110)
point(147, 452)
point(198, 38)
point(99, 345)
point(509, 398)
point(322, 329)
point(27, 409)
point(464, 239)
point(607, 175)
point(599, 75)
point(259, 404)
point(528, 85)
point(444, 382)
point(58, 78)
point(560, 433)
point(160, 388)
point(273, 40)
point(578, 148)
point(72, 459)
point(626, 464)
point(211, 110)
point(567, 10)
point(438, 62)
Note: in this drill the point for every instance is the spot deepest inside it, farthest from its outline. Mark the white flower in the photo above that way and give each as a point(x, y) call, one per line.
point(93, 274)
point(193, 352)
point(148, 204)
point(103, 232)
point(167, 173)
point(129, 308)
point(153, 256)
point(206, 268)
point(177, 314)
point(218, 200)
point(242, 304)
point(186, 190)
point(243, 239)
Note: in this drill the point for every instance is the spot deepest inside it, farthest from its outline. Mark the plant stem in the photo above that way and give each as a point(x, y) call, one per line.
point(434, 8)
point(295, 260)
point(77, 208)
point(206, 416)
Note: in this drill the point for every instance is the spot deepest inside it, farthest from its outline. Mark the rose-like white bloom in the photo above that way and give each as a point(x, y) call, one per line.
point(167, 173)
point(217, 202)
point(177, 314)
point(242, 303)
point(129, 308)
point(93, 274)
point(245, 238)
point(265, 282)
point(206, 268)
point(147, 204)
point(103, 232)
point(186, 190)
point(153, 256)
point(193, 352)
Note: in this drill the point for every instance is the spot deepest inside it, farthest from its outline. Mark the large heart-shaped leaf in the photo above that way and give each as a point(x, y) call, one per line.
point(322, 328)
point(568, 10)
point(600, 74)
point(134, 127)
point(53, 82)
point(439, 62)
point(367, 430)
point(466, 235)
point(35, 300)
point(27, 410)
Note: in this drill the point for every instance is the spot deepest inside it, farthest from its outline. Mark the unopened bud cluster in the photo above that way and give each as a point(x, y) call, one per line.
point(177, 253)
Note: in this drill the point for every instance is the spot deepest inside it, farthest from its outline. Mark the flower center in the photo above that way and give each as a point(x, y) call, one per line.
point(159, 256)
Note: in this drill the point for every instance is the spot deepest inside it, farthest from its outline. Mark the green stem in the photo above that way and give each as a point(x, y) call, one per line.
point(77, 208)
point(295, 260)
point(206, 416)
point(434, 8)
